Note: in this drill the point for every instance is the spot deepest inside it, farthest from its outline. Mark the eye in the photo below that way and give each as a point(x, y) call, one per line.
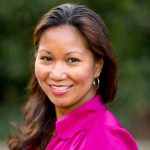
point(73, 60)
point(46, 58)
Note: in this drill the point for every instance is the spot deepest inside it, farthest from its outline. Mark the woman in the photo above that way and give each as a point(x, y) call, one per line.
point(75, 74)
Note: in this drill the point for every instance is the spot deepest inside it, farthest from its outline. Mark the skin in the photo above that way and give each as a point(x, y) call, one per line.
point(65, 68)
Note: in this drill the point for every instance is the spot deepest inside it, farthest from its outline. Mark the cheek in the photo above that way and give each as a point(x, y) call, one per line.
point(40, 72)
point(84, 74)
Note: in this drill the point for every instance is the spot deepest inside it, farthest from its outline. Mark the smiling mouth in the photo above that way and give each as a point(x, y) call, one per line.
point(60, 89)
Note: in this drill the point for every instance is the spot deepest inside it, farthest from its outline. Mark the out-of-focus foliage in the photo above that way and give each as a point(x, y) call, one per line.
point(129, 25)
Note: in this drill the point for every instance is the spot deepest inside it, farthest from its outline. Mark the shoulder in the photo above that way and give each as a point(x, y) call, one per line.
point(109, 135)
point(110, 138)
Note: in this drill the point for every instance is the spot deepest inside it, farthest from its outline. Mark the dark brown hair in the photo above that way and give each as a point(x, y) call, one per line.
point(39, 112)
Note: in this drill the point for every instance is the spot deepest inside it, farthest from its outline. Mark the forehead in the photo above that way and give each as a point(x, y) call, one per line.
point(65, 34)
point(64, 39)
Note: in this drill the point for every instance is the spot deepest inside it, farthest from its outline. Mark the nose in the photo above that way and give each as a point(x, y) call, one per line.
point(58, 72)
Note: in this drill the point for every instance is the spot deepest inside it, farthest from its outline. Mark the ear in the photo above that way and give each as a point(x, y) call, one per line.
point(98, 67)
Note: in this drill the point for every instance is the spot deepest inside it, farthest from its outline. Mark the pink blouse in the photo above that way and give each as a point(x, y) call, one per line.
point(91, 127)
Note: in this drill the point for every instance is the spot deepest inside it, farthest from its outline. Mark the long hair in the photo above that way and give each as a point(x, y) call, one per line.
point(39, 112)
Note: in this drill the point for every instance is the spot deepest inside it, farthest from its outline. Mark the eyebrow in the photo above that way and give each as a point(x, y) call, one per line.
point(45, 50)
point(67, 53)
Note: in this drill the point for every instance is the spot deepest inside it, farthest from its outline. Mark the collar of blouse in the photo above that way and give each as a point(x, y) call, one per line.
point(80, 117)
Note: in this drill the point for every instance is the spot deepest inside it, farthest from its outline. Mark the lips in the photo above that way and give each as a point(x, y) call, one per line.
point(60, 89)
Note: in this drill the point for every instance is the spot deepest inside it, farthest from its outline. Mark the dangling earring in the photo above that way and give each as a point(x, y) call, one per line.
point(96, 83)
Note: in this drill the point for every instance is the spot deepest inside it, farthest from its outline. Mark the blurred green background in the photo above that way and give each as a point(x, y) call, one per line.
point(128, 22)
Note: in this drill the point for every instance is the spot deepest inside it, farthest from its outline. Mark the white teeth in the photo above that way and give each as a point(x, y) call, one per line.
point(61, 88)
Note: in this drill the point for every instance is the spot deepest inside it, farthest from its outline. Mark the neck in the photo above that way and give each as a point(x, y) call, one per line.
point(62, 111)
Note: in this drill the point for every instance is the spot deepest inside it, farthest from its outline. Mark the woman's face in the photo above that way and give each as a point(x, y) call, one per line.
point(65, 68)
